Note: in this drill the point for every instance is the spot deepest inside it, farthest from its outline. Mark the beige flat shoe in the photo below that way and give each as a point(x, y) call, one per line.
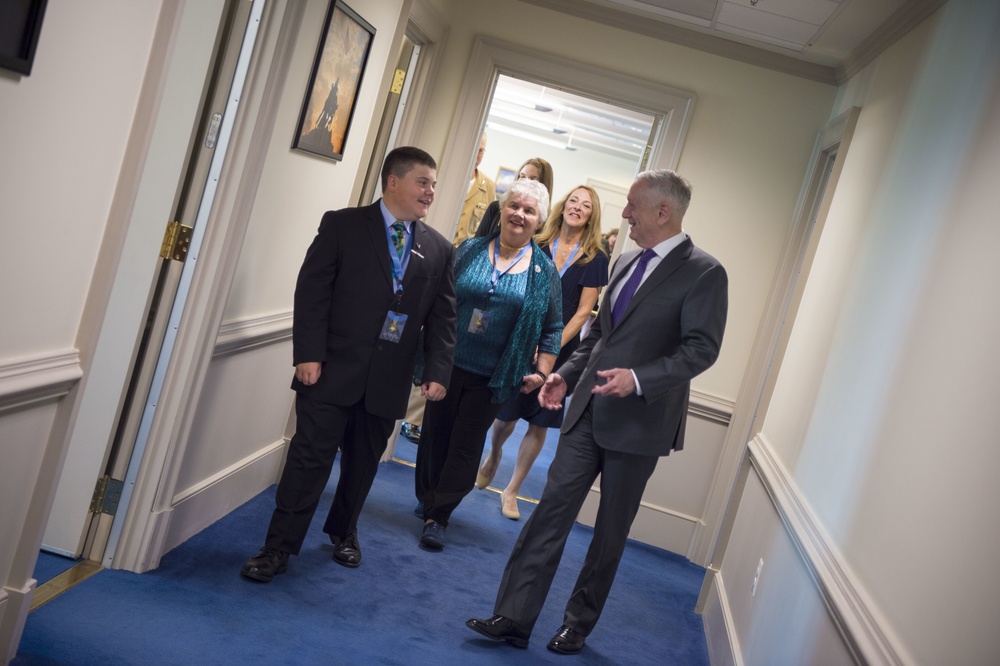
point(512, 514)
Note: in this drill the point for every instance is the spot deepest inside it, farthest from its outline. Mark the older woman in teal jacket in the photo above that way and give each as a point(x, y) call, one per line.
point(509, 332)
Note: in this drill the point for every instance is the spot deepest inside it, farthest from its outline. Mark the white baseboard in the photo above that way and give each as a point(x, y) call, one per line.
point(29, 380)
point(654, 525)
point(720, 632)
point(199, 506)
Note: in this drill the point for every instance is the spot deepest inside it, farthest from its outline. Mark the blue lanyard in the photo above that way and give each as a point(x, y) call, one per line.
point(495, 278)
point(569, 259)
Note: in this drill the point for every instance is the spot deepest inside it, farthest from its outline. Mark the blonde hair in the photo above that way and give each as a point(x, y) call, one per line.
point(590, 243)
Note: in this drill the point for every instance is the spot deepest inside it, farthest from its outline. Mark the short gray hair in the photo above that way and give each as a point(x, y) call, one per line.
point(671, 185)
point(533, 189)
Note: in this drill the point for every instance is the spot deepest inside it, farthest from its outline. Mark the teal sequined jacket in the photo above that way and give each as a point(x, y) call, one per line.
point(539, 321)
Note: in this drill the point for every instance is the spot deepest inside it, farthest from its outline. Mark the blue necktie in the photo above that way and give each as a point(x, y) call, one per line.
point(628, 291)
point(399, 237)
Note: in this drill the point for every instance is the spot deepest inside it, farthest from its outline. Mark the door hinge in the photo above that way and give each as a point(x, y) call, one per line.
point(398, 77)
point(176, 241)
point(107, 493)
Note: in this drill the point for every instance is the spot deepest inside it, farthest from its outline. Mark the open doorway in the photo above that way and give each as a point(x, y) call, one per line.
point(588, 142)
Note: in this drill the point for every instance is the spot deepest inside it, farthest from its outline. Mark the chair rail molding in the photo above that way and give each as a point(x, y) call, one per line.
point(29, 380)
point(242, 335)
point(861, 623)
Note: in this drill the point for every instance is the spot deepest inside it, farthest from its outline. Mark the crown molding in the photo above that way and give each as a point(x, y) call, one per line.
point(675, 34)
point(895, 27)
point(904, 20)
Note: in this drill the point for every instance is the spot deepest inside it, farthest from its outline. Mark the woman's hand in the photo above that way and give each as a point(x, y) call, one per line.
point(531, 382)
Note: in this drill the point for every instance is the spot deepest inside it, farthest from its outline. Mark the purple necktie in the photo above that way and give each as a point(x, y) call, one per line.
point(628, 291)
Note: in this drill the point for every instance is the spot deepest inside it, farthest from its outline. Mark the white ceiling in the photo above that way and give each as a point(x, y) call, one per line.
point(566, 121)
point(823, 40)
point(827, 40)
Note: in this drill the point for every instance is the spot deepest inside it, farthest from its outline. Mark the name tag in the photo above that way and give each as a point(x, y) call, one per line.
point(392, 328)
point(480, 322)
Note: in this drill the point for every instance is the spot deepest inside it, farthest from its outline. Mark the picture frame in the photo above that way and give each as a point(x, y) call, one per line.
point(505, 176)
point(332, 92)
point(20, 27)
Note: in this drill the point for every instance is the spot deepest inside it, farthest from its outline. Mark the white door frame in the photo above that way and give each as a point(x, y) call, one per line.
point(491, 57)
point(144, 527)
point(177, 309)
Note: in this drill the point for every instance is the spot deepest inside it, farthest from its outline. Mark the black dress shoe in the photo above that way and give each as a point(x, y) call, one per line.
point(567, 641)
point(265, 565)
point(410, 432)
point(418, 511)
point(347, 551)
point(433, 535)
point(500, 628)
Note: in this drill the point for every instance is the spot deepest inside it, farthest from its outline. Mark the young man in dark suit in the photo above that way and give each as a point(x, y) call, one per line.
point(660, 324)
point(372, 279)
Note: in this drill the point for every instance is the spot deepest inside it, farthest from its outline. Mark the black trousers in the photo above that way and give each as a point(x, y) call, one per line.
point(452, 438)
point(320, 430)
point(535, 558)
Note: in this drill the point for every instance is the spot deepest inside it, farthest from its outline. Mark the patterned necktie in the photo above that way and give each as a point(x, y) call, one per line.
point(399, 237)
point(628, 291)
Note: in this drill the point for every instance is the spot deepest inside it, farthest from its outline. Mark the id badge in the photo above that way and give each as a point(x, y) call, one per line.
point(392, 329)
point(480, 321)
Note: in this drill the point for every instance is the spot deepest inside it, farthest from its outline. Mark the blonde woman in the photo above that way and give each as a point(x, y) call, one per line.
point(572, 238)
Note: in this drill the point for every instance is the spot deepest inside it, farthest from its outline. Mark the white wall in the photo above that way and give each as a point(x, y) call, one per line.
point(881, 429)
point(63, 139)
point(746, 150)
point(126, 270)
point(239, 427)
point(65, 133)
point(297, 188)
point(736, 122)
point(745, 153)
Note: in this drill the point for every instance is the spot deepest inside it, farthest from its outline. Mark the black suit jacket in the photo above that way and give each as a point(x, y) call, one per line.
point(342, 296)
point(671, 332)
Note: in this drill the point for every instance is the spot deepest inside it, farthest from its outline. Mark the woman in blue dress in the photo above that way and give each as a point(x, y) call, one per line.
point(572, 238)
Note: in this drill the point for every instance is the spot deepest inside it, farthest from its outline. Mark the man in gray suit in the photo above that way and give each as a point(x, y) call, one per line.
point(660, 324)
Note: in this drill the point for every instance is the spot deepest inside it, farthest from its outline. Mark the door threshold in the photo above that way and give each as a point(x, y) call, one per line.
point(68, 579)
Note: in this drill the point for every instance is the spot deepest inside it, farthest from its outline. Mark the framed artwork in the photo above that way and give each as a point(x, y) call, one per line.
point(505, 176)
point(20, 26)
point(333, 87)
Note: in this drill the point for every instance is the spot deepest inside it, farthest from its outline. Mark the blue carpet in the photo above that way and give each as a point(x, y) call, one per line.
point(533, 484)
point(404, 605)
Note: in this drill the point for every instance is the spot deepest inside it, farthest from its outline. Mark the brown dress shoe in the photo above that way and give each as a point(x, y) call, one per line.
point(567, 641)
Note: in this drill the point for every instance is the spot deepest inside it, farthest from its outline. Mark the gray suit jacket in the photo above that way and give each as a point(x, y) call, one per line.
point(671, 332)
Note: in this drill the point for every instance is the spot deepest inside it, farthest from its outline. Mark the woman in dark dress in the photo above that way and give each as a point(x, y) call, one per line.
point(572, 238)
point(534, 168)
